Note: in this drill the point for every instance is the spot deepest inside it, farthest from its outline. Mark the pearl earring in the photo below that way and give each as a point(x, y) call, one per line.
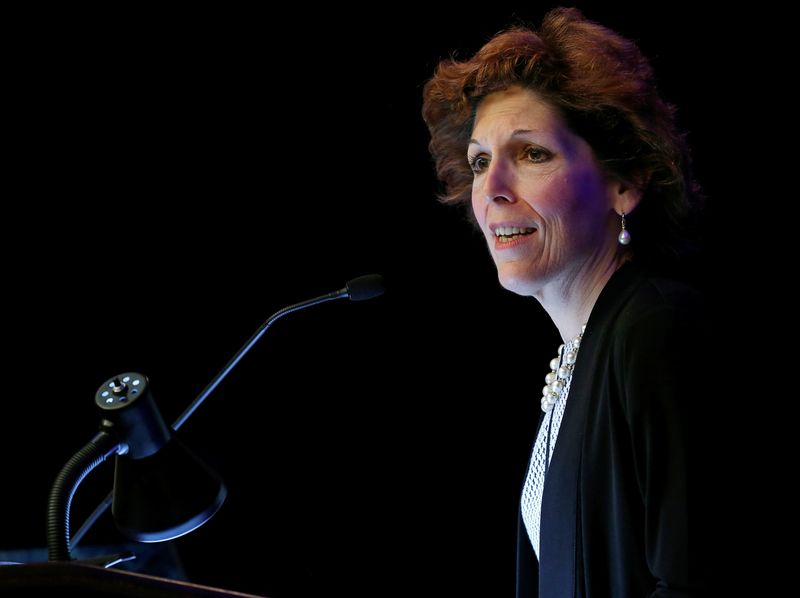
point(624, 236)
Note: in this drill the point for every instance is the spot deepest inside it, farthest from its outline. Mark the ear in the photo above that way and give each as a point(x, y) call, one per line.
point(625, 195)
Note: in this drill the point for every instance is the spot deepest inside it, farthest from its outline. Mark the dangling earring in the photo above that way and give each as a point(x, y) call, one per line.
point(624, 236)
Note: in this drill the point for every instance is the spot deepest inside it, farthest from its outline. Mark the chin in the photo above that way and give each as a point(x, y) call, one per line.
point(517, 279)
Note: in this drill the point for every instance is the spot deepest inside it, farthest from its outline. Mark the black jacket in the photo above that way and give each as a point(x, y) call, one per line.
point(622, 510)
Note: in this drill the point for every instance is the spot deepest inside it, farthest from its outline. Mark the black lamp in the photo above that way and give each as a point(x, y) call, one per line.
point(161, 489)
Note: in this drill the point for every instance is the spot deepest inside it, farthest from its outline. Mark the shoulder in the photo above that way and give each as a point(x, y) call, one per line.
point(659, 304)
point(658, 332)
point(666, 295)
point(649, 318)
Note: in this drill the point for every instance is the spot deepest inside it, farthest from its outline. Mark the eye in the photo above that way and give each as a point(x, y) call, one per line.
point(537, 155)
point(477, 163)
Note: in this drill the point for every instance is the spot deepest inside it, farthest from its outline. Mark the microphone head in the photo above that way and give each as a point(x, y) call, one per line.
point(365, 287)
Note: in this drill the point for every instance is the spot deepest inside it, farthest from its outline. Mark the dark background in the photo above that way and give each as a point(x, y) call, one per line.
point(183, 175)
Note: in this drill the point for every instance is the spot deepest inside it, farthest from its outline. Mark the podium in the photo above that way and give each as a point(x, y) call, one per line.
point(91, 581)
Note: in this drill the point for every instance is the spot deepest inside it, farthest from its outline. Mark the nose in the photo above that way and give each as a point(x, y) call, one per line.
point(498, 184)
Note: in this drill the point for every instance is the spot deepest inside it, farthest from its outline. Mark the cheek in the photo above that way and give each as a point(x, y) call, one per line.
point(564, 196)
point(546, 196)
point(478, 208)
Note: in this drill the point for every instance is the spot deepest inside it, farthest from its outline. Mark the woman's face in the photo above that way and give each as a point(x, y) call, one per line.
point(538, 194)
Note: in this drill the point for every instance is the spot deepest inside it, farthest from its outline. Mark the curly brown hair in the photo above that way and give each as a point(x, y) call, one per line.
point(603, 87)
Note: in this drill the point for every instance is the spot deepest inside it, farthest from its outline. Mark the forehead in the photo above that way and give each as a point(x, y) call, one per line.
point(515, 108)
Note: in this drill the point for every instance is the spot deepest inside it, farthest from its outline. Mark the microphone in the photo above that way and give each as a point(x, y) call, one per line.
point(364, 287)
point(357, 289)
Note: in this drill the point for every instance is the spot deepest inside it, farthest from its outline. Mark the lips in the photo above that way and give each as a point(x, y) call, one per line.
point(511, 234)
point(506, 234)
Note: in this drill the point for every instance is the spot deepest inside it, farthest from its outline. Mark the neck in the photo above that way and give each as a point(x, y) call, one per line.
point(570, 299)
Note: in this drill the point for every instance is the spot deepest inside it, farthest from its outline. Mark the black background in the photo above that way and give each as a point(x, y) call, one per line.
point(179, 176)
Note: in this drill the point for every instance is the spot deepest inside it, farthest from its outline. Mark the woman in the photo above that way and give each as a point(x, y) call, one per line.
point(580, 182)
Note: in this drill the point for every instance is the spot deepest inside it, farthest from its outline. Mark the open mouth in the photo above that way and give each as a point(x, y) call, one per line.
point(507, 234)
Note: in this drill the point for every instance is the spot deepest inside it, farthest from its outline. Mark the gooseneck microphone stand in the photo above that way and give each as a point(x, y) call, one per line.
point(102, 446)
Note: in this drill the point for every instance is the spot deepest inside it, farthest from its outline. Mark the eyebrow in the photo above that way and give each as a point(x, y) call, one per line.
point(516, 133)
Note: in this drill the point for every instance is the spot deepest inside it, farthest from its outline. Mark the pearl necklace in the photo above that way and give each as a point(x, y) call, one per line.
point(561, 367)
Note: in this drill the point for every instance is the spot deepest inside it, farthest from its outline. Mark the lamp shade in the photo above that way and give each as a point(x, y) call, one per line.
point(162, 490)
point(165, 495)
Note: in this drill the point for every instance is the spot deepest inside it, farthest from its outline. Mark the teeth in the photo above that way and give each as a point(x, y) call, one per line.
point(507, 231)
